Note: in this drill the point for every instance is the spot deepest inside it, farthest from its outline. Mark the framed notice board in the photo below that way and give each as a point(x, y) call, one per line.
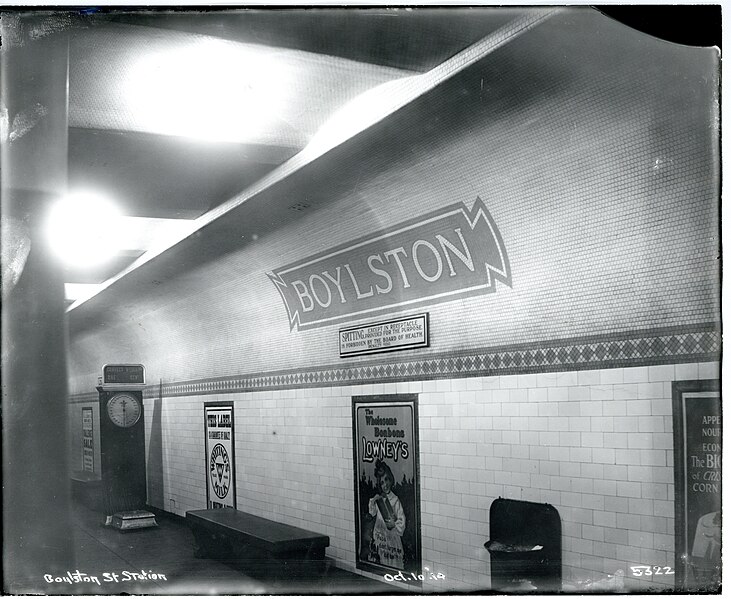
point(87, 430)
point(387, 503)
point(220, 463)
point(698, 433)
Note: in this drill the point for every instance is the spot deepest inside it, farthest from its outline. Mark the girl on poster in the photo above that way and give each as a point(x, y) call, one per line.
point(390, 519)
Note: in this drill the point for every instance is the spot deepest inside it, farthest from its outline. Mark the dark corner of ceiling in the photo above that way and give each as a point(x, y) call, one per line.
point(690, 25)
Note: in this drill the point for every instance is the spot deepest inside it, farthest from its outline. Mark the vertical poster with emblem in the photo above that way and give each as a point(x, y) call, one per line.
point(387, 507)
point(87, 431)
point(697, 426)
point(220, 468)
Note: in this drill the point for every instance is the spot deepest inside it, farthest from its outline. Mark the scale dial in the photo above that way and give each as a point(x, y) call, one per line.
point(124, 410)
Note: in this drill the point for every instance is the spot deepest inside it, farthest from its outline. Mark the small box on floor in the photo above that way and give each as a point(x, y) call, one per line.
point(133, 520)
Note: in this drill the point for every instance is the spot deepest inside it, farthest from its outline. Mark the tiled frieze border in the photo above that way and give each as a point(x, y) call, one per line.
point(695, 343)
point(83, 397)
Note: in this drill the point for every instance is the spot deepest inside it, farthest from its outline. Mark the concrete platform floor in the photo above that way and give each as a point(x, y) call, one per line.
point(168, 550)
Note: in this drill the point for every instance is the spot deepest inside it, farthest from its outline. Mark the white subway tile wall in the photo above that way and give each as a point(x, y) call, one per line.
point(530, 437)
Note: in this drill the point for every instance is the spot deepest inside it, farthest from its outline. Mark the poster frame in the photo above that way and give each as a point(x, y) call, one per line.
point(411, 399)
point(679, 390)
point(84, 412)
point(219, 404)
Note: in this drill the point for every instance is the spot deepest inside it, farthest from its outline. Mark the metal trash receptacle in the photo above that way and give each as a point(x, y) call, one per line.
point(525, 545)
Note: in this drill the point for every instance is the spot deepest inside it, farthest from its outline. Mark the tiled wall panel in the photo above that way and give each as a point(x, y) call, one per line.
point(604, 460)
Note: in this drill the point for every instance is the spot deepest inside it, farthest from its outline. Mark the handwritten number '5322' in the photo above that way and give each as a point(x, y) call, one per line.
point(650, 570)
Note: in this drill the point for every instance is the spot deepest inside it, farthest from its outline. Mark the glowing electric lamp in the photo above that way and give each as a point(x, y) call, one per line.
point(82, 229)
point(212, 90)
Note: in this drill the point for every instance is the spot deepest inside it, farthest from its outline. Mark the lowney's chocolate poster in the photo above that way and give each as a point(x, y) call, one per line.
point(385, 451)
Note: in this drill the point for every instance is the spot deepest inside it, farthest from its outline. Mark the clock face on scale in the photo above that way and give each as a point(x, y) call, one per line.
point(124, 410)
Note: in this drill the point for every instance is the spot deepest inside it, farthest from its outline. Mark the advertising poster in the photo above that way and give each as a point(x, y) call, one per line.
point(387, 517)
point(221, 487)
point(87, 429)
point(698, 434)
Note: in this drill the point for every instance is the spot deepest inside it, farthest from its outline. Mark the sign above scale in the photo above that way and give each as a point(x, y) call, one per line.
point(124, 374)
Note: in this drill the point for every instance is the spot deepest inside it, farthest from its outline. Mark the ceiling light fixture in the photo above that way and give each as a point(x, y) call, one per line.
point(82, 229)
point(209, 90)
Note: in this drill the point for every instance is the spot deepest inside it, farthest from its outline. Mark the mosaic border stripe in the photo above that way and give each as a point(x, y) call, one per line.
point(84, 397)
point(697, 343)
point(694, 343)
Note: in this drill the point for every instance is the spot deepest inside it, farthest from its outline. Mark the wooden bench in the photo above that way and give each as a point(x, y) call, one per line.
point(264, 545)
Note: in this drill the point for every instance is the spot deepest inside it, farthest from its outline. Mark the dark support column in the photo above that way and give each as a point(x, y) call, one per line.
point(36, 520)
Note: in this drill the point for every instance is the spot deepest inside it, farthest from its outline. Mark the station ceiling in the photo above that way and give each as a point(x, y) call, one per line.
point(174, 112)
point(182, 116)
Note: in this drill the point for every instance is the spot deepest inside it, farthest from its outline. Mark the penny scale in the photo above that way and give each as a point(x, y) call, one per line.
point(122, 431)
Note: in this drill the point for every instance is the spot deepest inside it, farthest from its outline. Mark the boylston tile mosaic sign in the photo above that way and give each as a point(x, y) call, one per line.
point(451, 253)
